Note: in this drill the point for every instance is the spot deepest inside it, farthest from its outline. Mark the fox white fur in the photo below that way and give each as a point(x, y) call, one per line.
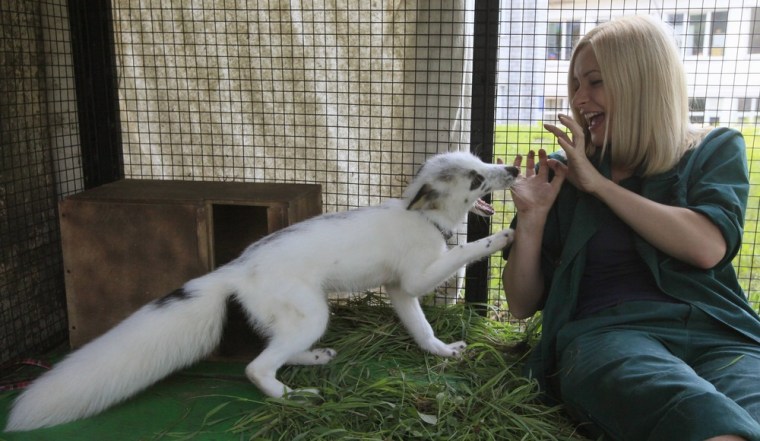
point(282, 281)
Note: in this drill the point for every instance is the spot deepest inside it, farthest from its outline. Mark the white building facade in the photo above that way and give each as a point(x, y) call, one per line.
point(719, 41)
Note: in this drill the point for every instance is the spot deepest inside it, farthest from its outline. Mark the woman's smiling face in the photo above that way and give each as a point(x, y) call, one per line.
point(590, 96)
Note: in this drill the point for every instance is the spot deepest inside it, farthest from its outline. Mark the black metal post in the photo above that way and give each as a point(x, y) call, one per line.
point(485, 48)
point(92, 41)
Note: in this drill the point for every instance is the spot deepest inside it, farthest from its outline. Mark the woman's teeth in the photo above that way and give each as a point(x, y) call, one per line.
point(594, 119)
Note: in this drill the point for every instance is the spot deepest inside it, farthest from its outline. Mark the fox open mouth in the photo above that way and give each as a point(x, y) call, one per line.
point(482, 208)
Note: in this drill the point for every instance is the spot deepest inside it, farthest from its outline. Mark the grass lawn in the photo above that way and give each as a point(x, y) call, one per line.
point(513, 139)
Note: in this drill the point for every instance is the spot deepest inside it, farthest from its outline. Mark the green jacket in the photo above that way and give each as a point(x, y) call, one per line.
point(711, 179)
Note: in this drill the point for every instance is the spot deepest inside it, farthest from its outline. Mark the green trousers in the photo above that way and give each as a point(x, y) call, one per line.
point(659, 371)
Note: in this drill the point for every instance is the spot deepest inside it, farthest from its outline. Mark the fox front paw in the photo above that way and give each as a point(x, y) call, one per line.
point(313, 357)
point(509, 234)
point(457, 348)
point(503, 238)
point(448, 350)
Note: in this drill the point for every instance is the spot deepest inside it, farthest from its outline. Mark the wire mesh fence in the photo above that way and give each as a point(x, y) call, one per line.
point(352, 95)
point(40, 164)
point(349, 94)
point(720, 46)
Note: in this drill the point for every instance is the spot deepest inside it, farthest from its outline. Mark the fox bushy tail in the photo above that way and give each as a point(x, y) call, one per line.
point(158, 339)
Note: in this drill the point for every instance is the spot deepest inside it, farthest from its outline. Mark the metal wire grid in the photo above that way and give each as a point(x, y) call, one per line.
point(721, 54)
point(193, 129)
point(38, 129)
point(332, 93)
point(348, 94)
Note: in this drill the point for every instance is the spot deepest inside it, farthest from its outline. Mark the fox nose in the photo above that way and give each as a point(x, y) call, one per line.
point(514, 171)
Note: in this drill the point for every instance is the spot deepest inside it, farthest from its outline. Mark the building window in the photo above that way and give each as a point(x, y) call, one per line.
point(695, 36)
point(561, 38)
point(754, 39)
point(697, 119)
point(701, 33)
point(697, 110)
point(553, 41)
point(697, 104)
point(555, 104)
point(744, 104)
point(718, 33)
point(678, 22)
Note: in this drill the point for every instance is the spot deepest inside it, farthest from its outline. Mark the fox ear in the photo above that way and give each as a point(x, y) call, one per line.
point(425, 199)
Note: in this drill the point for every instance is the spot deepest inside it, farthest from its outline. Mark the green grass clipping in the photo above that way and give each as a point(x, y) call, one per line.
point(381, 386)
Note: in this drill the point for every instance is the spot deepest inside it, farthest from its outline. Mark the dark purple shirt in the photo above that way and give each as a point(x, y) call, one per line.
point(615, 273)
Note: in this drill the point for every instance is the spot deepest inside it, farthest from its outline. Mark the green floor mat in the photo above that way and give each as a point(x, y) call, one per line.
point(180, 407)
point(380, 386)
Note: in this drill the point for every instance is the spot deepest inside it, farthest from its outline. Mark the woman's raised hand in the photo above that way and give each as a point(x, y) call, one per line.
point(579, 170)
point(534, 192)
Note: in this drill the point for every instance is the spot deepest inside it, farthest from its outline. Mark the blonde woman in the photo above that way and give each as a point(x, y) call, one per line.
point(624, 241)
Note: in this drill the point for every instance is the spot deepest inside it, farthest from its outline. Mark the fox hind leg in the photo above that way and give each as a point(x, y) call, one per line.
point(292, 329)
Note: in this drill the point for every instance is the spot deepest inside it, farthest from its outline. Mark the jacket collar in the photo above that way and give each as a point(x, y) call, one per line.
point(586, 218)
point(589, 212)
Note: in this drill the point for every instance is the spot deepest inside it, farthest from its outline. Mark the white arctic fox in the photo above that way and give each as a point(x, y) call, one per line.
point(282, 282)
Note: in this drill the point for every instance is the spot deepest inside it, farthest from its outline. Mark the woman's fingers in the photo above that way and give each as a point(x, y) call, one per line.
point(560, 172)
point(565, 141)
point(530, 164)
point(559, 133)
point(542, 161)
point(578, 137)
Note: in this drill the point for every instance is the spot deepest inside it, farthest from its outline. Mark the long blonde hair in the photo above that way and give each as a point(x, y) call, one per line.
point(647, 98)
